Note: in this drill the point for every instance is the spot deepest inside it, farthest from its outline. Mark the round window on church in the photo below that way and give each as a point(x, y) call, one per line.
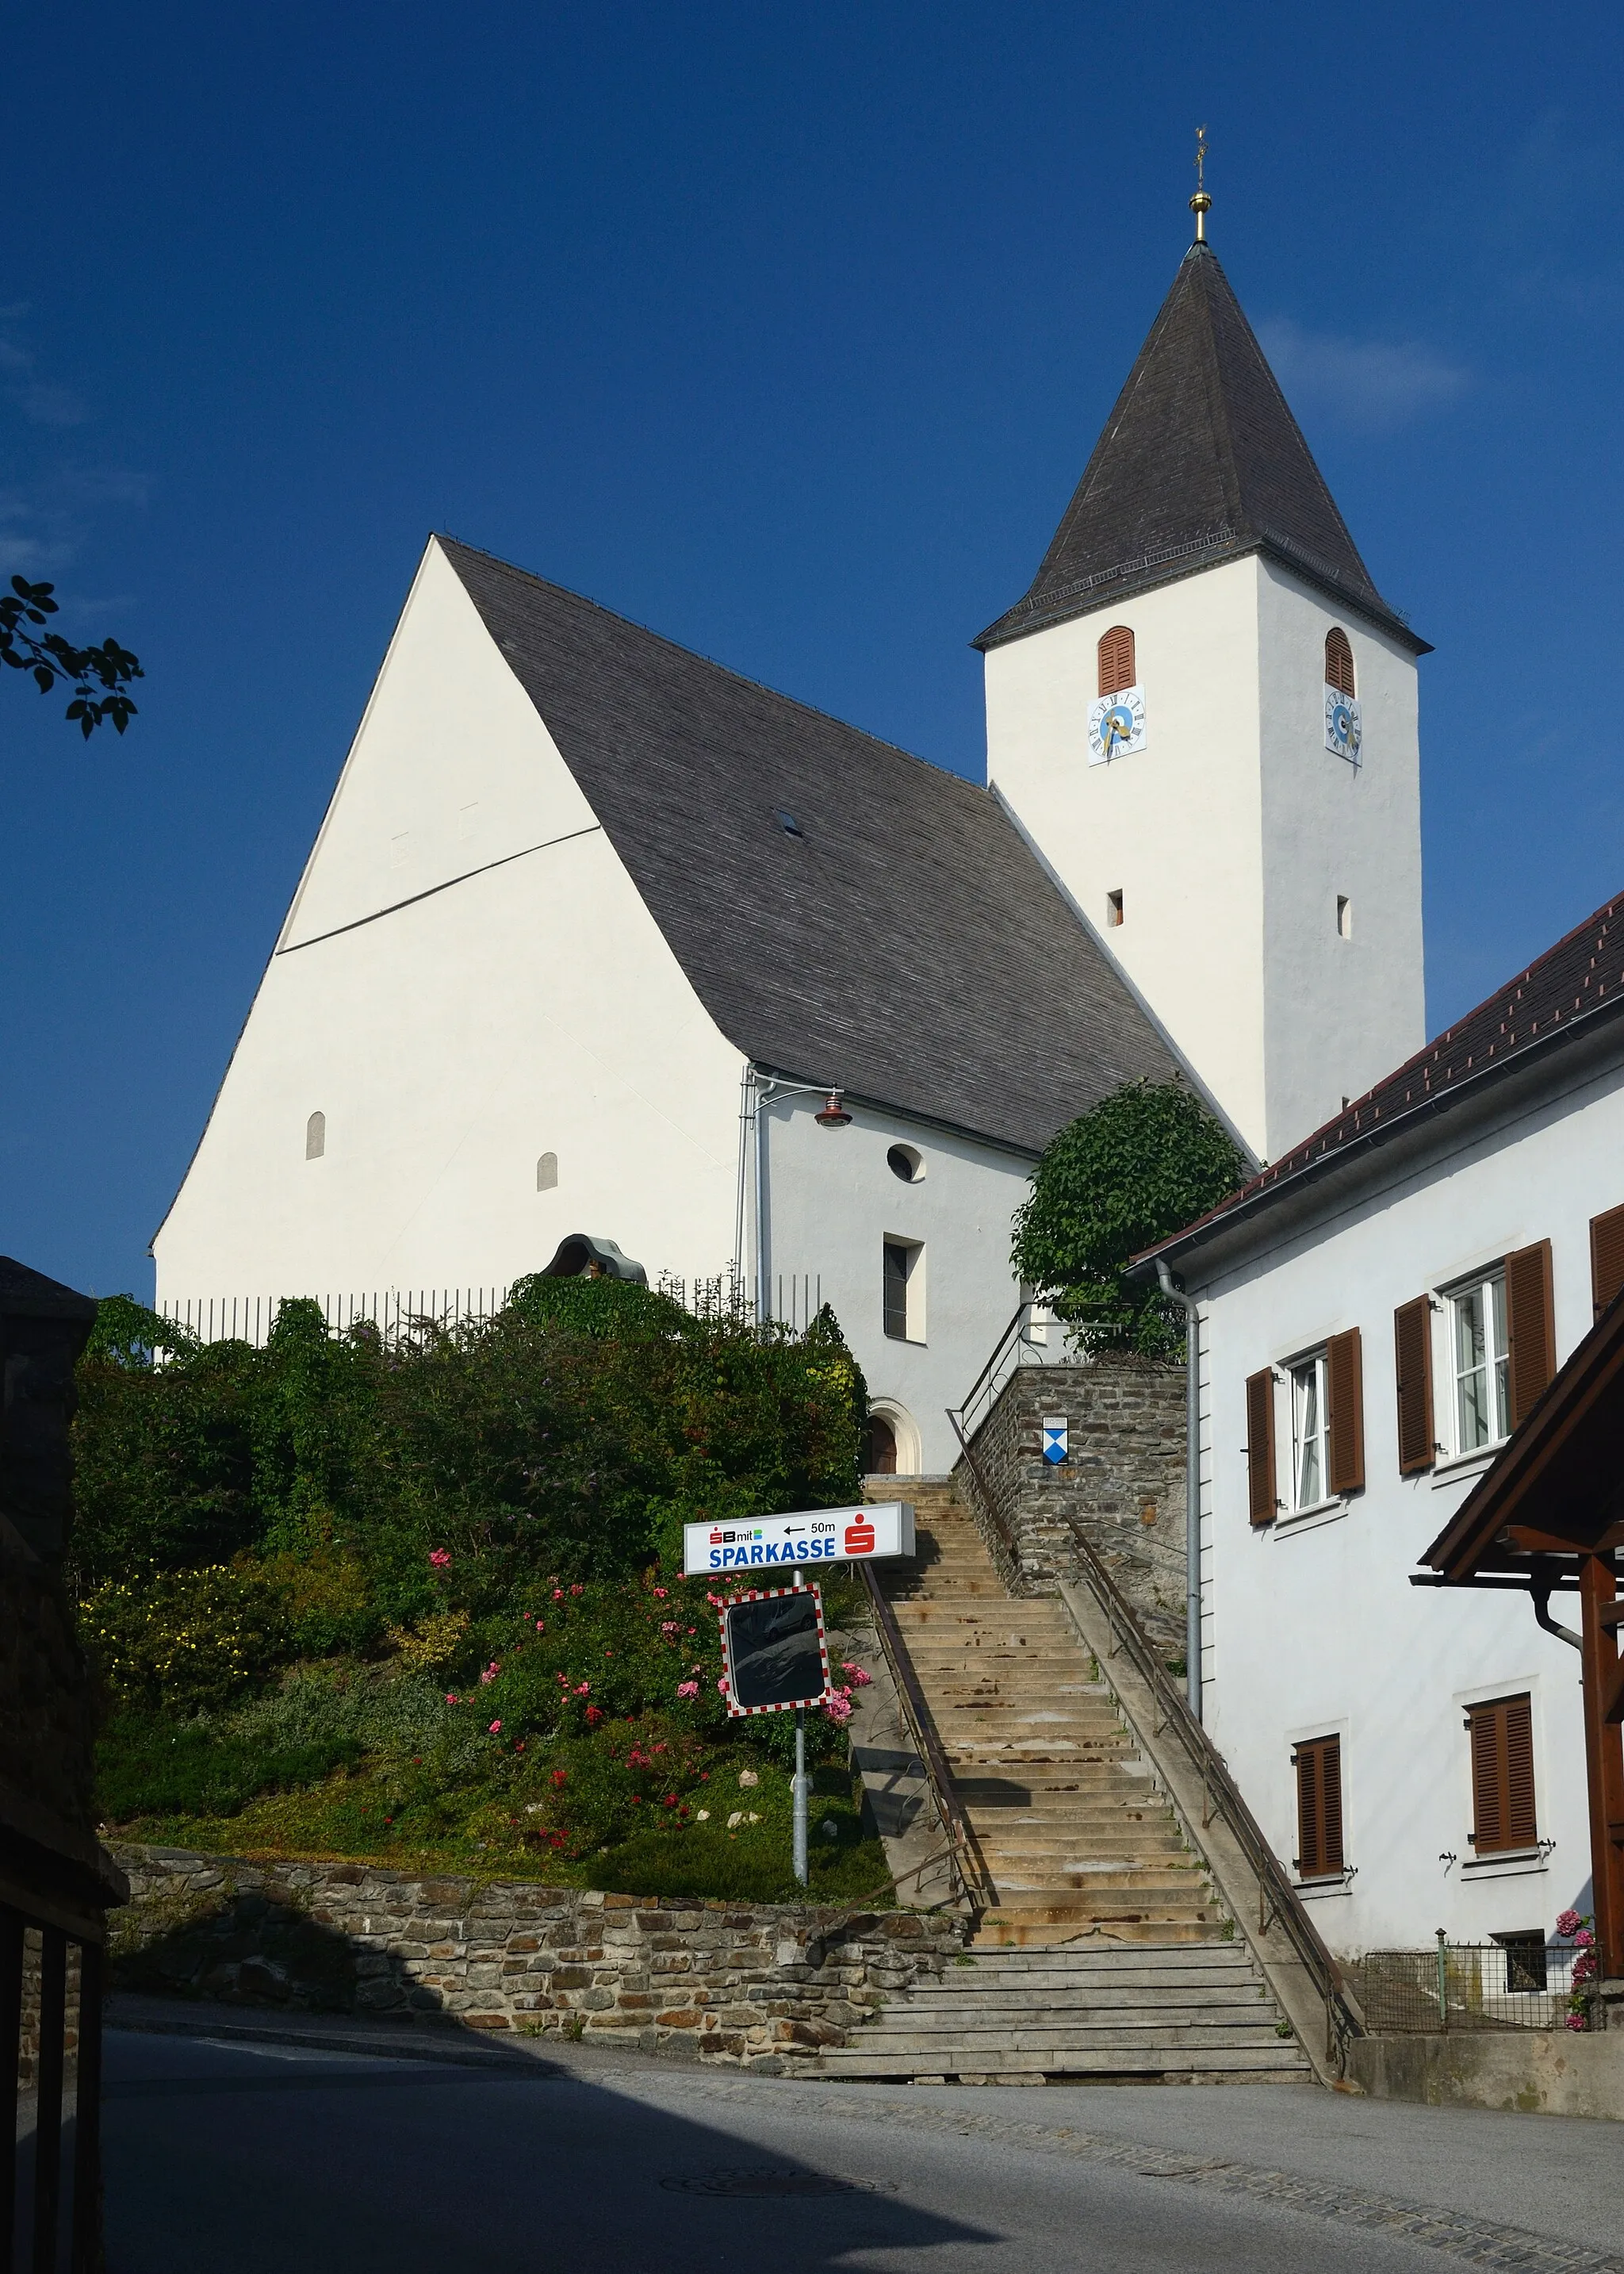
point(904, 1162)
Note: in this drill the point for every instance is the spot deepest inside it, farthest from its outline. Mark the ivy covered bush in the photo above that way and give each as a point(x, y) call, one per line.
point(421, 1599)
point(1143, 1163)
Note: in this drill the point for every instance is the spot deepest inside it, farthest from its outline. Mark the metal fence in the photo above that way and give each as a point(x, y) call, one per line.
point(398, 1312)
point(1517, 1982)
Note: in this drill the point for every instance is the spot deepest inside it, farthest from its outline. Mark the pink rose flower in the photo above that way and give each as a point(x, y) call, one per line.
point(662, 1592)
point(451, 1699)
point(440, 1559)
point(1569, 1923)
point(721, 1686)
point(496, 1728)
point(688, 1689)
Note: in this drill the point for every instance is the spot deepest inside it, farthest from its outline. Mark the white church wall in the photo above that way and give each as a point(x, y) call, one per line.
point(533, 1007)
point(1230, 835)
point(1175, 828)
point(1341, 1011)
point(1312, 1627)
point(831, 1203)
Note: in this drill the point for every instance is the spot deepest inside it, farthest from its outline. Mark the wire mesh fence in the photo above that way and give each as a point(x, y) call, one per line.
point(1514, 1982)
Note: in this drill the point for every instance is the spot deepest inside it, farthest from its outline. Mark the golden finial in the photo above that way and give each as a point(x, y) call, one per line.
point(1200, 205)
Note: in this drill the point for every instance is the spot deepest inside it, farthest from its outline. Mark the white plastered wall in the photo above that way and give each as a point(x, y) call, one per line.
point(1339, 1012)
point(1231, 833)
point(830, 1204)
point(1314, 1628)
point(467, 979)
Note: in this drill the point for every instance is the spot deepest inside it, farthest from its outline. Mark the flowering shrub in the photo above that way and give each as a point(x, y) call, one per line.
point(193, 1639)
point(1580, 1929)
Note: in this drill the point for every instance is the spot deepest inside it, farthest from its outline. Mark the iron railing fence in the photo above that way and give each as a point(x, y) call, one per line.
point(1033, 1337)
point(398, 1312)
point(1517, 1982)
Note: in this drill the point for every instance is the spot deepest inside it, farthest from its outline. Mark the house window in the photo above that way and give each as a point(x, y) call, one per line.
point(1501, 1733)
point(1309, 1470)
point(546, 1172)
point(1113, 910)
point(1318, 1764)
point(315, 1136)
point(1339, 661)
point(1479, 1359)
point(903, 1288)
point(1116, 661)
point(904, 1162)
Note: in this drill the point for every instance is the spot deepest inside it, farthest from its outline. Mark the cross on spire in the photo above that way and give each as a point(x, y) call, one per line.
point(1200, 205)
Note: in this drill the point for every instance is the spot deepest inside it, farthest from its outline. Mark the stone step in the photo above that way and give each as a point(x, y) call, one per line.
point(1282, 2060)
point(1014, 1929)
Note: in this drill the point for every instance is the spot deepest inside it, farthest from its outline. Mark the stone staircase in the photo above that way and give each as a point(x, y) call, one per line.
point(1106, 1952)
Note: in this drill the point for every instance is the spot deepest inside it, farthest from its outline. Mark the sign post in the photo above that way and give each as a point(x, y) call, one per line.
point(812, 1535)
point(776, 1657)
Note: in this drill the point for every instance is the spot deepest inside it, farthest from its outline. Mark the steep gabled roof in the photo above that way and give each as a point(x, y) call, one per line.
point(1201, 462)
point(1574, 986)
point(903, 942)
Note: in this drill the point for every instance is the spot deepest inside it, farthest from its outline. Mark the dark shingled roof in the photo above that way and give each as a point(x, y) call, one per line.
point(1201, 462)
point(1581, 979)
point(906, 944)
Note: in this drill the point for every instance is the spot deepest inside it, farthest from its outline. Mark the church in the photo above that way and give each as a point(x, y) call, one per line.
point(599, 940)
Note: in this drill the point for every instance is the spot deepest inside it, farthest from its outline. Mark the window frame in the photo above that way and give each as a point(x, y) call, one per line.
point(1495, 1368)
point(1314, 1364)
point(910, 1312)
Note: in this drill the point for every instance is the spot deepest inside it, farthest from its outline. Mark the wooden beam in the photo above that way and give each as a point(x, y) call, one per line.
point(1530, 1542)
point(1603, 1759)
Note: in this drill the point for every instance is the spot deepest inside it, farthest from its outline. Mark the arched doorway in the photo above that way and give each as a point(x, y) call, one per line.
point(880, 1448)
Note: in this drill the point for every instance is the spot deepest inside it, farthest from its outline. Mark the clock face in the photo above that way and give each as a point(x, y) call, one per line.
point(1116, 727)
point(1343, 731)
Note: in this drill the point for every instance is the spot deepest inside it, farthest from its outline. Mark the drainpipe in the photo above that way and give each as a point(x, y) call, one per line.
point(1172, 1287)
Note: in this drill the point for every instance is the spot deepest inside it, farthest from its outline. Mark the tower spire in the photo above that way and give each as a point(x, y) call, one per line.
point(1200, 205)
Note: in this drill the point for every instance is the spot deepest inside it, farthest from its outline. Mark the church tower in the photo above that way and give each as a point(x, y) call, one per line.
point(1203, 714)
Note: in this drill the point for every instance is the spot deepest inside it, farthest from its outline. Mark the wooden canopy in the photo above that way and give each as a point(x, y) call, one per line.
point(1547, 1515)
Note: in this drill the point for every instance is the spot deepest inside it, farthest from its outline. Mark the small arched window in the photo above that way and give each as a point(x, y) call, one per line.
point(315, 1136)
point(546, 1172)
point(1339, 661)
point(1117, 669)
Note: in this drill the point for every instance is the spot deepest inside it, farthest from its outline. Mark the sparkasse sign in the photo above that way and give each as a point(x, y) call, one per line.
point(815, 1535)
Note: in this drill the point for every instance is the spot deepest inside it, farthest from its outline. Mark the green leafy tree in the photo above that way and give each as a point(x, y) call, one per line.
point(108, 668)
point(1140, 1164)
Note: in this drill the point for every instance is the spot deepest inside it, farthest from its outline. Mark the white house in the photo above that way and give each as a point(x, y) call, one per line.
point(594, 929)
point(1376, 1311)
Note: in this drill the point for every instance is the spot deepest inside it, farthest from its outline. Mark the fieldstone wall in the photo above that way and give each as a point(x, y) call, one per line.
point(1124, 1480)
point(758, 1986)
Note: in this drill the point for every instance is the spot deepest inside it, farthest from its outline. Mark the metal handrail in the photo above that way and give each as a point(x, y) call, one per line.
point(984, 1493)
point(969, 1865)
point(1277, 1898)
point(1018, 1332)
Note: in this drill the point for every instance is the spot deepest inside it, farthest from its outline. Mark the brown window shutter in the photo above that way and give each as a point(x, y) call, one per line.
point(1412, 1351)
point(1261, 1445)
point(1318, 1764)
point(1529, 1326)
point(1339, 661)
point(1115, 659)
point(1606, 1257)
point(1502, 1761)
point(1344, 1373)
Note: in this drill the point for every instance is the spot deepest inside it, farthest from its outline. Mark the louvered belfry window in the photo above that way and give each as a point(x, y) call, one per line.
point(1339, 661)
point(1117, 665)
point(1318, 1764)
point(1502, 1765)
point(1606, 1257)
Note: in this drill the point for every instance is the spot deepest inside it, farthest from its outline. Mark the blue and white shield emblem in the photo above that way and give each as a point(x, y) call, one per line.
point(1054, 1437)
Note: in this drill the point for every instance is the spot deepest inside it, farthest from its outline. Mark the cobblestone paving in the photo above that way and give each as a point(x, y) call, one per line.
point(1480, 2242)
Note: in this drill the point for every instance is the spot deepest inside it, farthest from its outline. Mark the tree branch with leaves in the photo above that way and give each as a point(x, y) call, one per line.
point(98, 675)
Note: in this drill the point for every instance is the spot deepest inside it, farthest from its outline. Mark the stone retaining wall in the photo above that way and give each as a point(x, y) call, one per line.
point(757, 1985)
point(1124, 1480)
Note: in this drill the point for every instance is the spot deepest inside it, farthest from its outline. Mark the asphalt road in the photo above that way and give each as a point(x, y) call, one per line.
point(262, 2157)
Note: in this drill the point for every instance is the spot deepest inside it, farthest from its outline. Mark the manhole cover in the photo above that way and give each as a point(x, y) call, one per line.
point(775, 2183)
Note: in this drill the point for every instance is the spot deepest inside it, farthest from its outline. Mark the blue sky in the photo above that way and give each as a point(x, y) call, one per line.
point(785, 331)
